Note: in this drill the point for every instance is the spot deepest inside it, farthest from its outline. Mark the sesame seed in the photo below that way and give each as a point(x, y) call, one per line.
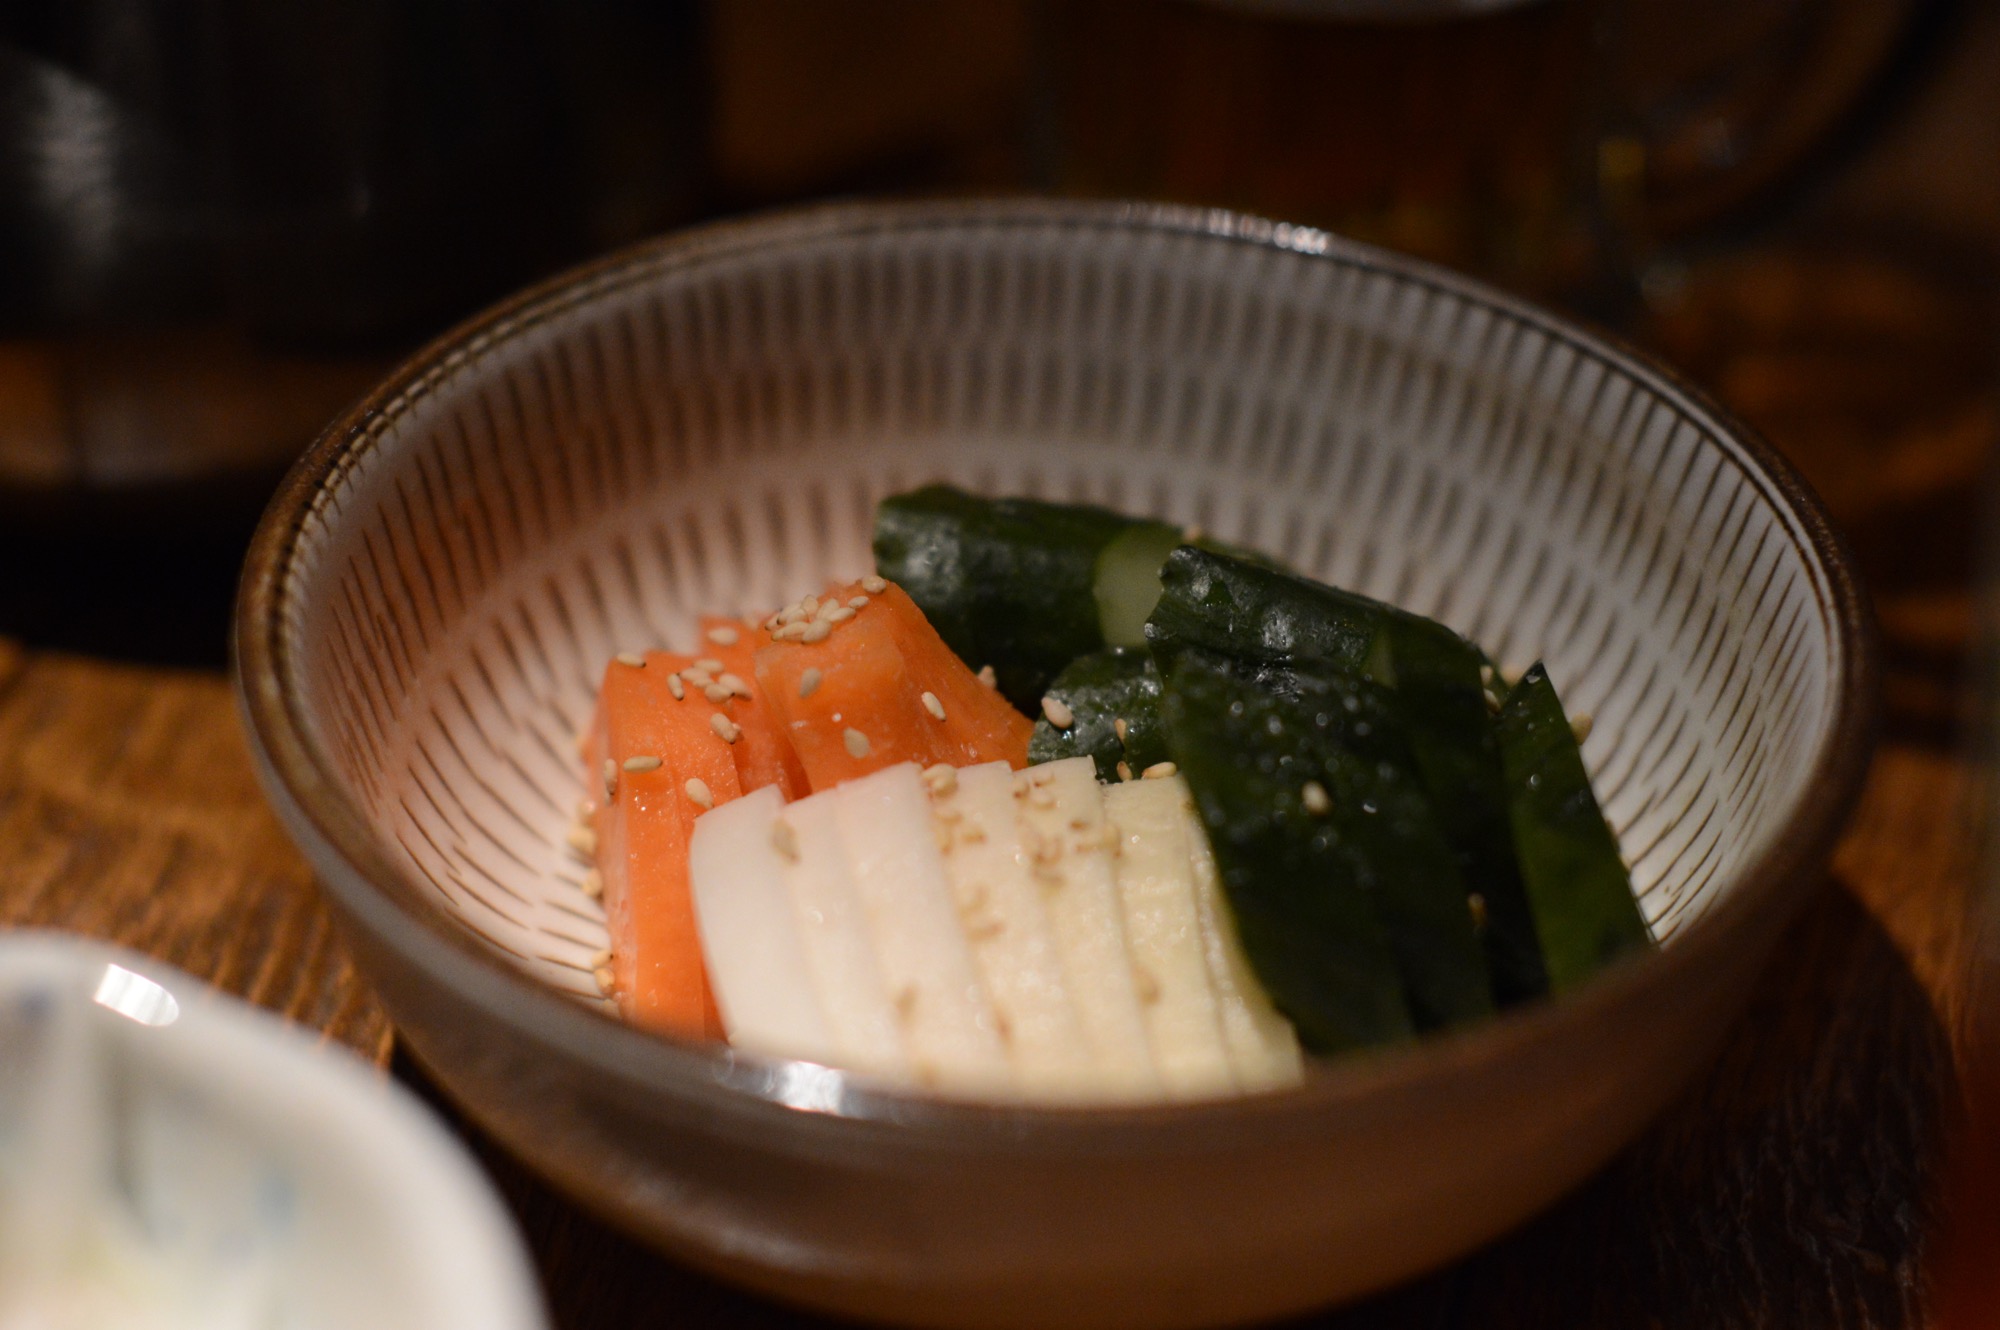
point(734, 683)
point(858, 603)
point(725, 728)
point(874, 586)
point(828, 610)
point(1159, 771)
point(808, 681)
point(791, 632)
point(1120, 728)
point(583, 840)
point(809, 606)
point(1058, 712)
point(607, 982)
point(593, 884)
point(600, 959)
point(724, 636)
point(1486, 675)
point(717, 693)
point(644, 762)
point(932, 705)
point(1124, 771)
point(1582, 724)
point(709, 664)
point(785, 841)
point(610, 780)
point(697, 676)
point(697, 792)
point(816, 631)
point(942, 779)
point(632, 658)
point(988, 677)
point(856, 741)
point(838, 614)
point(675, 687)
point(1317, 801)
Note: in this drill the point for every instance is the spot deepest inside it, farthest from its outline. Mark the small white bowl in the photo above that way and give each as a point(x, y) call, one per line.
point(172, 1157)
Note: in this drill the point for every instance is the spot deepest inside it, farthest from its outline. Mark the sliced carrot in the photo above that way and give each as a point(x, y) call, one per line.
point(855, 701)
point(642, 838)
point(983, 724)
point(763, 755)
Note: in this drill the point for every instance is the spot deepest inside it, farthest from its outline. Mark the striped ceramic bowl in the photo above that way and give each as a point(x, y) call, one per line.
point(707, 421)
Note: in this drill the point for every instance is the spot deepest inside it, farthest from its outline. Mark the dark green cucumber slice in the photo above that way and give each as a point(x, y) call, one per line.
point(1006, 582)
point(1101, 689)
point(1270, 619)
point(1580, 889)
point(1127, 580)
point(1354, 915)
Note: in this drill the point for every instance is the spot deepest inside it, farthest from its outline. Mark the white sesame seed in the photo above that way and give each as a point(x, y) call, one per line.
point(942, 779)
point(632, 658)
point(1124, 771)
point(874, 586)
point(644, 762)
point(828, 610)
point(698, 793)
point(932, 705)
point(593, 884)
point(697, 676)
point(808, 680)
point(1120, 728)
point(785, 840)
point(724, 636)
point(856, 741)
point(583, 840)
point(1315, 798)
point(816, 631)
point(610, 780)
point(709, 664)
point(791, 632)
point(858, 603)
point(600, 959)
point(1058, 712)
point(839, 614)
point(1159, 771)
point(607, 982)
point(717, 693)
point(734, 683)
point(725, 728)
point(809, 606)
point(987, 677)
point(675, 687)
point(1582, 724)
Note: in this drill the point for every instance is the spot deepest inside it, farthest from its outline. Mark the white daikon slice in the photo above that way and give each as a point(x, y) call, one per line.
point(1263, 1047)
point(839, 953)
point(1163, 931)
point(749, 933)
point(1061, 817)
point(892, 850)
point(1000, 906)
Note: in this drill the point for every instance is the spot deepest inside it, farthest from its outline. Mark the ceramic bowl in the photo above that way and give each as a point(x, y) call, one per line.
point(706, 422)
point(174, 1157)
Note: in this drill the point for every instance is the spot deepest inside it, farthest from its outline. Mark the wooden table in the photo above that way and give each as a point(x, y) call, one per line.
point(1792, 1186)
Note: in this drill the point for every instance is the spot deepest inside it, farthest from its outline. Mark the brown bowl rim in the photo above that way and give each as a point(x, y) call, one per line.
point(744, 1090)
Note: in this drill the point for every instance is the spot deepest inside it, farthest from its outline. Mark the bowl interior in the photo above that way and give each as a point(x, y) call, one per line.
point(707, 424)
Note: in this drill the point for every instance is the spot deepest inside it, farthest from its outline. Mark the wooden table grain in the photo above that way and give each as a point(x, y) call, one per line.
point(1792, 1186)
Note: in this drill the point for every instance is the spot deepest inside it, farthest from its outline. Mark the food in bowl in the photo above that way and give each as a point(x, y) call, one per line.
point(1191, 819)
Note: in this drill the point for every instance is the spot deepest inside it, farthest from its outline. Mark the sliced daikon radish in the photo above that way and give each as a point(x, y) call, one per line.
point(892, 850)
point(1001, 909)
point(1263, 1047)
point(833, 930)
point(1163, 931)
point(1061, 817)
point(749, 932)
